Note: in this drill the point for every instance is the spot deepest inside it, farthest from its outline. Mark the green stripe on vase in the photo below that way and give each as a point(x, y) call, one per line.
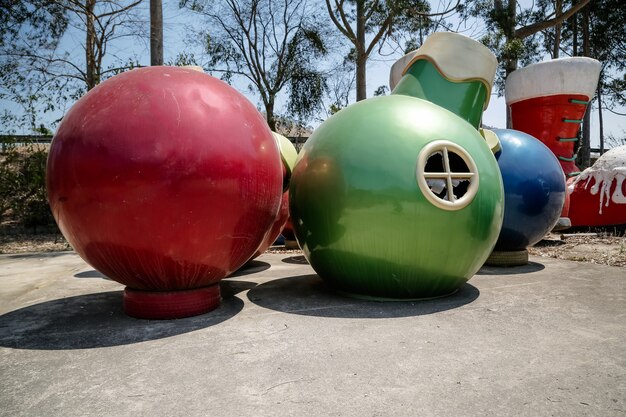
point(466, 99)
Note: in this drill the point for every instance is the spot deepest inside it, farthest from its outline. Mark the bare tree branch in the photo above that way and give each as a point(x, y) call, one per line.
point(445, 12)
point(529, 30)
point(345, 30)
point(381, 32)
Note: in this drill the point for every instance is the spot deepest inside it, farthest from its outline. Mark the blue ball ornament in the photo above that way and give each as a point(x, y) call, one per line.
point(534, 190)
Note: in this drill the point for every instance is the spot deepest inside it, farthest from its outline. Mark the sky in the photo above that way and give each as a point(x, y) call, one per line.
point(177, 28)
point(378, 73)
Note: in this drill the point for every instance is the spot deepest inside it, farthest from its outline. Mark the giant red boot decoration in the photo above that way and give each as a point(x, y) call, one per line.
point(548, 100)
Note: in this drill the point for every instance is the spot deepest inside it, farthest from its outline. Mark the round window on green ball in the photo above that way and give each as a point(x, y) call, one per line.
point(447, 175)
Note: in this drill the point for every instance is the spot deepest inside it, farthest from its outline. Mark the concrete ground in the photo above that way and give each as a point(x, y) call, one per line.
point(547, 339)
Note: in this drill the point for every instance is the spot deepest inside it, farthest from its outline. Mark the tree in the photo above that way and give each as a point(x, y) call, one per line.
point(22, 185)
point(597, 31)
point(40, 72)
point(46, 22)
point(340, 83)
point(511, 31)
point(515, 35)
point(273, 45)
point(368, 23)
point(25, 26)
point(607, 43)
point(615, 140)
point(156, 32)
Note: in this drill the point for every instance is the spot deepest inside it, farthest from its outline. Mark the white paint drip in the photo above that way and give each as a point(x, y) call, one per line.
point(608, 168)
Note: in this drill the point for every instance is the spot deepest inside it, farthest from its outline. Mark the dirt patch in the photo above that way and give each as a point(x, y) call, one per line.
point(26, 242)
point(594, 248)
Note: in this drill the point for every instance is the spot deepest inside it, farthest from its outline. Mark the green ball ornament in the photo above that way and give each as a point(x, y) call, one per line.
point(364, 221)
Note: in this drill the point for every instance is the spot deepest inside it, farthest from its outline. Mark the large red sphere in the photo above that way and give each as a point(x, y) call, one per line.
point(274, 231)
point(164, 178)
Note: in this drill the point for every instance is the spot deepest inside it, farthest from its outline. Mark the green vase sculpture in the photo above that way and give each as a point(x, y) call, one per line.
point(400, 197)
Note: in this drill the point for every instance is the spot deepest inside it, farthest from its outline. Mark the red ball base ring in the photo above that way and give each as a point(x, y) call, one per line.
point(163, 305)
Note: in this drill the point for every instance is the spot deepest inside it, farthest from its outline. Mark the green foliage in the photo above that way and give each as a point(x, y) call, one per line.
point(370, 25)
point(182, 59)
point(614, 89)
point(276, 47)
point(411, 29)
point(403, 22)
point(513, 49)
point(500, 24)
point(118, 68)
point(616, 139)
point(26, 28)
point(307, 84)
point(340, 83)
point(23, 198)
point(518, 50)
point(381, 91)
point(38, 73)
point(32, 24)
point(607, 43)
point(306, 92)
point(334, 108)
point(607, 37)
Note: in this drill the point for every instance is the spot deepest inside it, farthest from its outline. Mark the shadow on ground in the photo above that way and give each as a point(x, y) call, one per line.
point(308, 295)
point(91, 274)
point(511, 270)
point(298, 260)
point(97, 320)
point(33, 255)
point(250, 267)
